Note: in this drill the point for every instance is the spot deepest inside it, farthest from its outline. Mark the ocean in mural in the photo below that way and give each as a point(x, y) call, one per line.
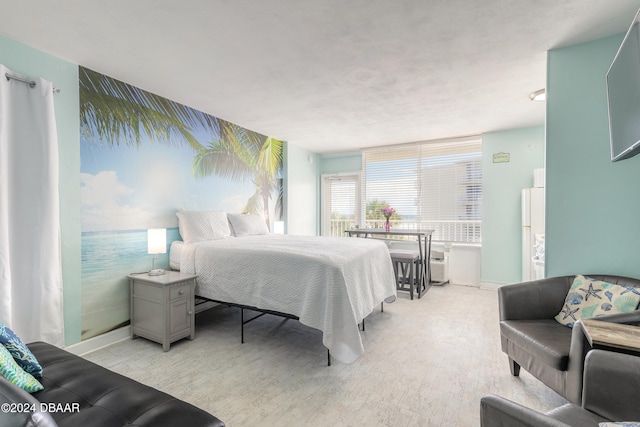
point(107, 257)
point(143, 158)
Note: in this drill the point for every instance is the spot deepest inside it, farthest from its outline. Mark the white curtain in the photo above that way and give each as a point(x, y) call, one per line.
point(30, 254)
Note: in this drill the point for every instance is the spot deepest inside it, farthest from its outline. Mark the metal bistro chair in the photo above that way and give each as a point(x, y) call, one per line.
point(406, 266)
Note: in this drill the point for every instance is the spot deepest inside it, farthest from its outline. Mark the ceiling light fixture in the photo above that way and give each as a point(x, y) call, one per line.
point(539, 95)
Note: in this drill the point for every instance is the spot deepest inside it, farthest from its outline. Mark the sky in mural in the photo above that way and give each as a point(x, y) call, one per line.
point(126, 188)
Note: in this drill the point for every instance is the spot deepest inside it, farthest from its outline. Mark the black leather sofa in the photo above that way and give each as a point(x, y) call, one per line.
point(80, 393)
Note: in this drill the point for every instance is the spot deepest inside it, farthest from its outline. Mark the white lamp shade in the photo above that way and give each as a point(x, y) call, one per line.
point(278, 227)
point(157, 240)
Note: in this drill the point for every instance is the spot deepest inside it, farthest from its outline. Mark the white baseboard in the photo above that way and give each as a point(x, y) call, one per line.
point(491, 285)
point(117, 335)
point(470, 285)
point(101, 341)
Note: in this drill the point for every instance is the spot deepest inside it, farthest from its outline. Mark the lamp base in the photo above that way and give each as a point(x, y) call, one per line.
point(157, 272)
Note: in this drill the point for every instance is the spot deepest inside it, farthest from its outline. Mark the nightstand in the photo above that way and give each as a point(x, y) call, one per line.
point(162, 307)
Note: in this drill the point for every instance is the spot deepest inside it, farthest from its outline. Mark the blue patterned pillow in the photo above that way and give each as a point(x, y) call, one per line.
point(15, 374)
point(620, 424)
point(589, 298)
point(20, 352)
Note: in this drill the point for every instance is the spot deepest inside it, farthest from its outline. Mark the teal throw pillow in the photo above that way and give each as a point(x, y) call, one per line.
point(589, 298)
point(15, 374)
point(19, 351)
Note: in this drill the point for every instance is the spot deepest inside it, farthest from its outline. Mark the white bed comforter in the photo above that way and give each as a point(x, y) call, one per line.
point(329, 283)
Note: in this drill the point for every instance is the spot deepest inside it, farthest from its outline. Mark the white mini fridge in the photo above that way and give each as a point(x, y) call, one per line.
point(532, 233)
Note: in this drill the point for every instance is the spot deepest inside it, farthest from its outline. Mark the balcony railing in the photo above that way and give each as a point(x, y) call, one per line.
point(444, 231)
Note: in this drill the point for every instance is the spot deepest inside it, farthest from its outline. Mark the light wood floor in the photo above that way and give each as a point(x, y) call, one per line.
point(427, 362)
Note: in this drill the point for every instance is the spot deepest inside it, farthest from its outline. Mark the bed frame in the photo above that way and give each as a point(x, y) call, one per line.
point(203, 300)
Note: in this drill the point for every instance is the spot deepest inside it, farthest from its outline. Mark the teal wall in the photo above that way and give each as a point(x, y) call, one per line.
point(501, 199)
point(301, 186)
point(349, 162)
point(593, 204)
point(64, 75)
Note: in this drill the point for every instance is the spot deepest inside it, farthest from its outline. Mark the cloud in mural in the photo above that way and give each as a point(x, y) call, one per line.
point(101, 189)
point(104, 205)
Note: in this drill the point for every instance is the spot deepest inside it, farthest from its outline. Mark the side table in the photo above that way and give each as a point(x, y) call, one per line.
point(162, 307)
point(612, 336)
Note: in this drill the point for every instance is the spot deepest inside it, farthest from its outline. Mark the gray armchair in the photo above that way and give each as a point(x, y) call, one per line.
point(611, 384)
point(533, 340)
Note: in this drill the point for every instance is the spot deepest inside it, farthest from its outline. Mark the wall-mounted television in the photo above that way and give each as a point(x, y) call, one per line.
point(623, 94)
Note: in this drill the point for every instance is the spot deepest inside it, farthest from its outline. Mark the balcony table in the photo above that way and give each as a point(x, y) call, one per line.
point(424, 247)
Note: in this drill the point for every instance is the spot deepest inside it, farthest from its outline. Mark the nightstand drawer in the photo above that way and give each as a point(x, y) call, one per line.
point(148, 292)
point(180, 291)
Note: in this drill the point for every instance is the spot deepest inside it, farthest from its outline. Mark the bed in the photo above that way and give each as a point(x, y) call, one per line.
point(327, 283)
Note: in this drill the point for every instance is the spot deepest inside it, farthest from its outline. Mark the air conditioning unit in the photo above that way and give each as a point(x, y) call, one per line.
point(439, 268)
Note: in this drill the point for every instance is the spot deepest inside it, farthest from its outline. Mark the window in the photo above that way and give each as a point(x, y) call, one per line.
point(432, 185)
point(340, 204)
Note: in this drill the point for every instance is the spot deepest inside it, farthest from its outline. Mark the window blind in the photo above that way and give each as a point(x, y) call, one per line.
point(432, 185)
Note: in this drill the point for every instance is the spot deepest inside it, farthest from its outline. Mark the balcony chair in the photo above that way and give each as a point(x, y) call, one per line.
point(535, 341)
point(406, 266)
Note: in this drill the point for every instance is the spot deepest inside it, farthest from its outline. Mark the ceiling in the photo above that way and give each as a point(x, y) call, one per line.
point(327, 75)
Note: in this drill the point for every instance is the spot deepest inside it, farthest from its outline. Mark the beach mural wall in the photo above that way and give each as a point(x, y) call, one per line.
point(144, 157)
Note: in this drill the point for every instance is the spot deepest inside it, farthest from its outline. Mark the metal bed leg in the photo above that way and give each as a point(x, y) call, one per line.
point(243, 322)
point(262, 313)
point(381, 309)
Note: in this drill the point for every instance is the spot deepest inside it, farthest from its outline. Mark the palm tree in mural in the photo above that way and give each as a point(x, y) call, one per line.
point(117, 112)
point(240, 155)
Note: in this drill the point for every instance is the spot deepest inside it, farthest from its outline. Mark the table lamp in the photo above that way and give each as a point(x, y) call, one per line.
point(156, 244)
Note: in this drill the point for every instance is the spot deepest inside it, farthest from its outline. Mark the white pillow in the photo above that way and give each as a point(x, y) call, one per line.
point(202, 226)
point(247, 225)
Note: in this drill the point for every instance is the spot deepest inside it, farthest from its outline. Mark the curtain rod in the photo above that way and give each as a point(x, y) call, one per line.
point(31, 83)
